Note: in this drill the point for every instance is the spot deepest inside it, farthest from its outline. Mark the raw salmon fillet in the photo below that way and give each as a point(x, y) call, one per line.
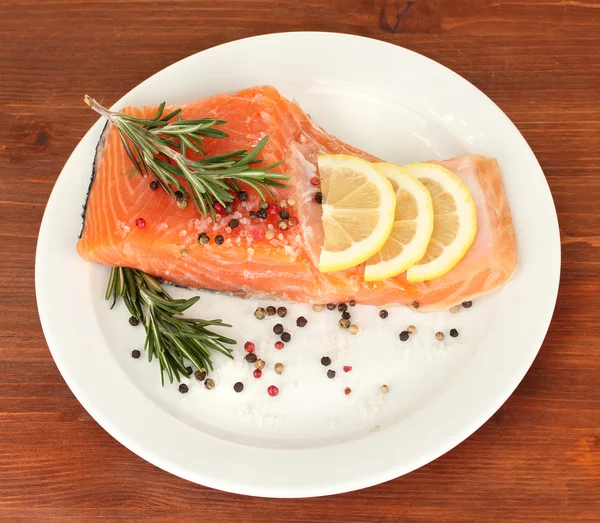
point(286, 265)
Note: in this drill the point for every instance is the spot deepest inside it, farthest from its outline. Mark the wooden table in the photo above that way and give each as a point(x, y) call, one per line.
point(538, 458)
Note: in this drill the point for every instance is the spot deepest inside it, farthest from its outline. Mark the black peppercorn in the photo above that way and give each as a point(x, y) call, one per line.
point(183, 388)
point(415, 304)
point(286, 336)
point(219, 239)
point(281, 312)
point(278, 328)
point(228, 208)
point(467, 304)
point(453, 333)
point(383, 314)
point(239, 386)
point(331, 306)
point(133, 321)
point(352, 303)
point(319, 197)
point(342, 307)
point(404, 336)
point(326, 361)
point(301, 321)
point(262, 213)
point(189, 370)
point(233, 223)
point(154, 185)
point(271, 310)
point(242, 196)
point(200, 375)
point(345, 315)
point(178, 195)
point(251, 357)
point(284, 214)
point(331, 374)
point(135, 354)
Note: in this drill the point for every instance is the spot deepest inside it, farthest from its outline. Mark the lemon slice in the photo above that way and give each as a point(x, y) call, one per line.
point(358, 211)
point(413, 225)
point(454, 221)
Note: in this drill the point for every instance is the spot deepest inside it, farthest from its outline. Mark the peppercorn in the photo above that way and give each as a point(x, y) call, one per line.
point(404, 336)
point(282, 224)
point(269, 235)
point(178, 195)
point(331, 374)
point(238, 387)
point(218, 207)
point(252, 215)
point(353, 329)
point(352, 303)
point(283, 214)
point(415, 304)
point(203, 238)
point(279, 345)
point(345, 315)
point(264, 205)
point(183, 388)
point(228, 208)
point(326, 361)
point(291, 202)
point(301, 321)
point(454, 333)
point(439, 336)
point(259, 364)
point(331, 306)
point(135, 354)
point(251, 357)
point(384, 388)
point(233, 223)
point(262, 213)
point(411, 329)
point(347, 368)
point(242, 196)
point(292, 222)
point(189, 370)
point(140, 223)
point(272, 390)
point(200, 375)
point(342, 307)
point(278, 368)
point(154, 185)
point(286, 336)
point(283, 204)
point(467, 304)
point(260, 313)
point(383, 314)
point(182, 203)
point(133, 321)
point(347, 391)
point(209, 384)
point(271, 310)
point(278, 328)
point(344, 324)
point(249, 346)
point(219, 239)
point(317, 308)
point(454, 309)
point(315, 180)
point(319, 197)
point(281, 312)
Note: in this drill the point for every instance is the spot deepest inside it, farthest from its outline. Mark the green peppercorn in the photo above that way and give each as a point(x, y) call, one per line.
point(260, 313)
point(182, 203)
point(203, 238)
point(344, 324)
point(264, 205)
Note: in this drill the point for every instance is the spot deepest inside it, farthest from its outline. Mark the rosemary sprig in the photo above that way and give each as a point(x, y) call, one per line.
point(170, 337)
point(158, 147)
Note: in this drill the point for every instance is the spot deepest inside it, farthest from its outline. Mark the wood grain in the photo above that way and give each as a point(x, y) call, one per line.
point(537, 459)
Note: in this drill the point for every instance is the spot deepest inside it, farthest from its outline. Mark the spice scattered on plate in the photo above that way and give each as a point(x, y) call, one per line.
point(331, 306)
point(278, 368)
point(200, 375)
point(269, 235)
point(383, 314)
point(467, 304)
point(353, 329)
point(238, 387)
point(331, 374)
point(271, 310)
point(342, 307)
point(317, 308)
point(183, 388)
point(203, 238)
point(281, 312)
point(344, 324)
point(347, 368)
point(249, 346)
point(135, 354)
point(209, 384)
point(411, 329)
point(189, 370)
point(257, 373)
point(279, 345)
point(286, 336)
point(259, 364)
point(133, 321)
point(415, 304)
point(272, 391)
point(439, 336)
point(278, 328)
point(251, 358)
point(326, 361)
point(352, 303)
point(319, 197)
point(347, 391)
point(404, 336)
point(384, 388)
point(301, 321)
point(346, 315)
point(260, 313)
point(455, 309)
point(454, 333)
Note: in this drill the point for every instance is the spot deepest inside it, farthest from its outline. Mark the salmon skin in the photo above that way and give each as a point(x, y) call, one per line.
point(282, 264)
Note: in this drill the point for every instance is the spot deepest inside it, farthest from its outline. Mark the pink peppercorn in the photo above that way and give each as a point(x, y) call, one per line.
point(257, 234)
point(347, 368)
point(273, 210)
point(249, 346)
point(218, 207)
point(273, 391)
point(140, 223)
point(314, 180)
point(279, 345)
point(257, 373)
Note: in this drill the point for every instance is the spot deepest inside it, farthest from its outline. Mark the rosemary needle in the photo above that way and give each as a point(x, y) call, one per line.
point(158, 147)
point(170, 337)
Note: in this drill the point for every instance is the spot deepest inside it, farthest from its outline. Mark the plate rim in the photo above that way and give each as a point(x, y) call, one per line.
point(391, 472)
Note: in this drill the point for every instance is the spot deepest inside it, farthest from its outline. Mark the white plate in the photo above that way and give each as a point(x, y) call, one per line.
point(312, 439)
